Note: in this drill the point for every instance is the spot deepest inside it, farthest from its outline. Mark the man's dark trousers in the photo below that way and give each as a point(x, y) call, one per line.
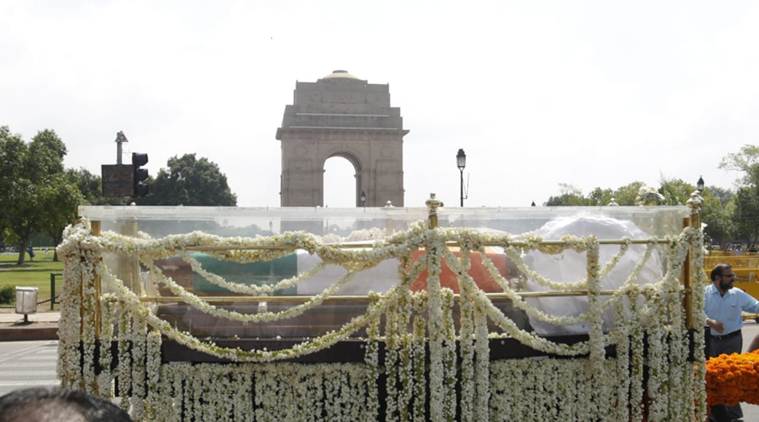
point(719, 345)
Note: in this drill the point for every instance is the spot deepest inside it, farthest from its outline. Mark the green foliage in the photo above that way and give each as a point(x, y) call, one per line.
point(59, 199)
point(745, 206)
point(189, 181)
point(627, 194)
point(572, 196)
point(7, 294)
point(743, 161)
point(746, 215)
point(87, 183)
point(675, 191)
point(568, 196)
point(90, 187)
point(717, 214)
point(600, 197)
point(37, 196)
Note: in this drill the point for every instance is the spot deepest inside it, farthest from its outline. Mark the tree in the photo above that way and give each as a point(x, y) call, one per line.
point(36, 193)
point(90, 187)
point(627, 194)
point(743, 161)
point(571, 195)
point(189, 181)
point(675, 191)
point(568, 196)
point(59, 200)
point(600, 197)
point(717, 213)
point(746, 211)
point(746, 215)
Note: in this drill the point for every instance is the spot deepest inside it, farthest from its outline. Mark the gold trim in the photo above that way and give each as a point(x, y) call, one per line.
point(354, 298)
point(449, 244)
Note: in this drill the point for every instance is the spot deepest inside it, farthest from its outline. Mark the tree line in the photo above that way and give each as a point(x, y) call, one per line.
point(731, 216)
point(38, 195)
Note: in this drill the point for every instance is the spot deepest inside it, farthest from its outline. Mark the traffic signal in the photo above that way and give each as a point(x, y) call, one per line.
point(139, 175)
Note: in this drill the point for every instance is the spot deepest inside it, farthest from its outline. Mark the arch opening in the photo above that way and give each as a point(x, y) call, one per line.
point(341, 182)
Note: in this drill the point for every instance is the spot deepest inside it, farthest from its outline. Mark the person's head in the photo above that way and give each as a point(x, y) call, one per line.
point(54, 404)
point(723, 276)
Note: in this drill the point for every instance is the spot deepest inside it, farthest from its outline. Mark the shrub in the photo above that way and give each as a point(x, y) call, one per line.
point(7, 294)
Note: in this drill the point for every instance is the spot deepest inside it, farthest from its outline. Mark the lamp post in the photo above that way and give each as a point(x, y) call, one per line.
point(362, 198)
point(700, 184)
point(461, 163)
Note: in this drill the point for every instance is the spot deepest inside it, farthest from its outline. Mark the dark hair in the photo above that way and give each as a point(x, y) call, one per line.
point(719, 270)
point(54, 404)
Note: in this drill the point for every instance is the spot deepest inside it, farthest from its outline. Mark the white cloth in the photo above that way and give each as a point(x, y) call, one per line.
point(570, 266)
point(378, 279)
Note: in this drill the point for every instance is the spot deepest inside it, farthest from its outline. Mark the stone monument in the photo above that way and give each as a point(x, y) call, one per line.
point(341, 115)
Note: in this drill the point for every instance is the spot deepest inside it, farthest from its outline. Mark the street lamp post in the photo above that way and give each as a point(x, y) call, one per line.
point(700, 184)
point(461, 163)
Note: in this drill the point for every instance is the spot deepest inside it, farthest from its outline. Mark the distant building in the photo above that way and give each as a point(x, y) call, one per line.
point(341, 115)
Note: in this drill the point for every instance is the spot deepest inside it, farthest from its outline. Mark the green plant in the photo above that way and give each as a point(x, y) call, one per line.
point(7, 294)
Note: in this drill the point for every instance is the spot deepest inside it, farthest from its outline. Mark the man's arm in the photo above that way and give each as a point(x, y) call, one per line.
point(754, 344)
point(749, 304)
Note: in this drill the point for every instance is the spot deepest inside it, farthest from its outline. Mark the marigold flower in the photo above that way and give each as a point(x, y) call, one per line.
point(733, 378)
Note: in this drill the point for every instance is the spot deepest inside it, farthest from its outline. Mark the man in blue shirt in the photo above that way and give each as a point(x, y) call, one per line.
point(723, 305)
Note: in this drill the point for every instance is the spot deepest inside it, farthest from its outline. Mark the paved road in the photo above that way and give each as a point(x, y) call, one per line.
point(750, 330)
point(27, 364)
point(32, 363)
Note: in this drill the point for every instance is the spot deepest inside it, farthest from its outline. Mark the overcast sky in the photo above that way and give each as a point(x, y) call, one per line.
point(537, 93)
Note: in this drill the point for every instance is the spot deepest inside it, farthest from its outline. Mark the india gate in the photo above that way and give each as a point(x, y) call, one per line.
point(341, 115)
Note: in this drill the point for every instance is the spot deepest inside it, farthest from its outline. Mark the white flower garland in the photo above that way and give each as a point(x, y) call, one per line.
point(623, 364)
point(516, 257)
point(124, 369)
point(466, 346)
point(405, 368)
point(449, 355)
point(482, 366)
point(435, 245)
point(211, 391)
point(205, 307)
point(371, 358)
point(108, 304)
point(418, 350)
point(153, 372)
point(251, 290)
point(391, 363)
point(139, 354)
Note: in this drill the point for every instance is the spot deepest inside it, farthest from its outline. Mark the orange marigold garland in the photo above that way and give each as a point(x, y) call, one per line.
point(733, 378)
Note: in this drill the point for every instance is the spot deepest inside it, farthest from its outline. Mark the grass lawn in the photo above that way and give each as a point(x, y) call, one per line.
point(32, 274)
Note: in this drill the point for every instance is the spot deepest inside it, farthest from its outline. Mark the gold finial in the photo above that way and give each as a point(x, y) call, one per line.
point(432, 206)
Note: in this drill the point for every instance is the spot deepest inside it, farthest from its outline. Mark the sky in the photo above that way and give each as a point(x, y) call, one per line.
point(537, 93)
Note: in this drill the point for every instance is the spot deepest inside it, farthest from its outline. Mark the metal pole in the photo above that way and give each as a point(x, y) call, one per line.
point(355, 298)
point(363, 245)
point(52, 290)
point(461, 195)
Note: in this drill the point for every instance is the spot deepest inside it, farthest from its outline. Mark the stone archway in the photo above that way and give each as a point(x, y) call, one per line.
point(357, 175)
point(341, 115)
